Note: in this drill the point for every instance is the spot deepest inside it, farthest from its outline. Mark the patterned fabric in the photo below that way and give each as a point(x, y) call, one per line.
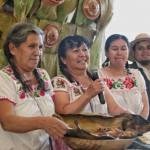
point(128, 90)
point(127, 83)
point(60, 83)
point(28, 106)
point(36, 93)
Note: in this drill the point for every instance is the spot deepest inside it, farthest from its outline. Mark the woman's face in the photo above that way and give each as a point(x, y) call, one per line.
point(118, 53)
point(77, 58)
point(28, 54)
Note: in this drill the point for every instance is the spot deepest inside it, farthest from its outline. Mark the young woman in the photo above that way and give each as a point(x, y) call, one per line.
point(126, 85)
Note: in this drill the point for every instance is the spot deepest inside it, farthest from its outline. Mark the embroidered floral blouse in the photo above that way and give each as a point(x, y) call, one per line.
point(128, 90)
point(40, 103)
point(60, 83)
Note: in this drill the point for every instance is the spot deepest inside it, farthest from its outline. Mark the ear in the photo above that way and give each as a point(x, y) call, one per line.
point(63, 60)
point(12, 48)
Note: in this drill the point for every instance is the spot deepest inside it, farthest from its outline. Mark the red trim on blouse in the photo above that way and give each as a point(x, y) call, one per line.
point(6, 99)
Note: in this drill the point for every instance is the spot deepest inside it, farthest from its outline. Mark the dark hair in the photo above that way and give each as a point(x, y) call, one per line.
point(17, 35)
point(113, 38)
point(108, 42)
point(69, 42)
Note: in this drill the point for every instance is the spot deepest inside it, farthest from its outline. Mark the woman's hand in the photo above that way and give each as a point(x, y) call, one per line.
point(95, 88)
point(55, 127)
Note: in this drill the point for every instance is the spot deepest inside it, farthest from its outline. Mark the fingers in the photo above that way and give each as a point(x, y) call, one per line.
point(56, 127)
point(98, 85)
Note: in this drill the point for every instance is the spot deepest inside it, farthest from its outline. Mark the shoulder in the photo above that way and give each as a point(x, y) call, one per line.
point(7, 73)
point(43, 73)
point(60, 79)
point(60, 83)
point(135, 72)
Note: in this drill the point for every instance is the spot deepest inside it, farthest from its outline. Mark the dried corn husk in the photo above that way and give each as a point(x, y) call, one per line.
point(22, 8)
point(49, 62)
point(80, 18)
point(86, 31)
point(66, 9)
point(96, 50)
point(106, 14)
point(36, 5)
point(2, 3)
point(7, 21)
point(3, 61)
point(48, 12)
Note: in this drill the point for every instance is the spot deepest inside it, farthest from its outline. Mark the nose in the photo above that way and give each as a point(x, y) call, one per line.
point(38, 51)
point(119, 51)
point(82, 53)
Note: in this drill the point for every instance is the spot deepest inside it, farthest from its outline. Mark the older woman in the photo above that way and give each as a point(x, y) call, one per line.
point(126, 85)
point(26, 106)
point(75, 91)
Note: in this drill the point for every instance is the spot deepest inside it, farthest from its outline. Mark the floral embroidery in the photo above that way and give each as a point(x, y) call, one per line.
point(42, 92)
point(9, 71)
point(60, 83)
point(76, 91)
point(22, 94)
point(34, 91)
point(128, 83)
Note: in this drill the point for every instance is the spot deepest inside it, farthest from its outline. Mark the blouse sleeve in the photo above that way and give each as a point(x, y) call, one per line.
point(47, 80)
point(140, 80)
point(7, 88)
point(60, 84)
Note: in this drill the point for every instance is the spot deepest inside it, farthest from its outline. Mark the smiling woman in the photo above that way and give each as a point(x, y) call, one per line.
point(75, 91)
point(127, 85)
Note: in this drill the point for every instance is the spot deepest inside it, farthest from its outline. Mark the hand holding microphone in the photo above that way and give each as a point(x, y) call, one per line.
point(100, 95)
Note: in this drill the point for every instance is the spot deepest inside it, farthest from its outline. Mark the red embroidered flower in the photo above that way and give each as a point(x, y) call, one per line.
point(42, 92)
point(22, 95)
point(109, 83)
point(128, 82)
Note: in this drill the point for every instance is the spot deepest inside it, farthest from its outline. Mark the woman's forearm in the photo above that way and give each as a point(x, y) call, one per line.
point(76, 106)
point(21, 124)
point(113, 107)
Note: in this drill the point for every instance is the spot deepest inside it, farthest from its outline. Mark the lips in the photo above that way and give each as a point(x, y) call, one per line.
point(119, 59)
point(82, 61)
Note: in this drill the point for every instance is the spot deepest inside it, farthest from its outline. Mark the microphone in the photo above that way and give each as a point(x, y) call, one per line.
point(100, 95)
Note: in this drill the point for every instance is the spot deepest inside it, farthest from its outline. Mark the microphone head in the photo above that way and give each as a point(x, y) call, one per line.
point(94, 74)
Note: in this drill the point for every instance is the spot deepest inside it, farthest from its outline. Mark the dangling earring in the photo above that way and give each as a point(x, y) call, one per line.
point(106, 62)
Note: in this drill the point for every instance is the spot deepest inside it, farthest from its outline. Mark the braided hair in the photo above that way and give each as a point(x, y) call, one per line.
point(17, 35)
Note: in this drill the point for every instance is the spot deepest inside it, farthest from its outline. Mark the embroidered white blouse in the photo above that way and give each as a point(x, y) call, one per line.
point(127, 90)
point(60, 83)
point(27, 106)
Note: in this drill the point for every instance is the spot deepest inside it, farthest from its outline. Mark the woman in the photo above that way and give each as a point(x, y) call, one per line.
point(127, 85)
point(26, 107)
point(75, 91)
